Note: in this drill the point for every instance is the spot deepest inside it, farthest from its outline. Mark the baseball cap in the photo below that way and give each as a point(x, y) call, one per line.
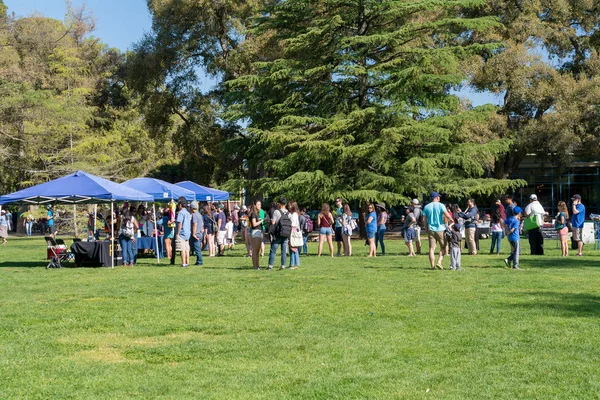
point(194, 205)
point(517, 210)
point(434, 195)
point(576, 197)
point(533, 197)
point(415, 201)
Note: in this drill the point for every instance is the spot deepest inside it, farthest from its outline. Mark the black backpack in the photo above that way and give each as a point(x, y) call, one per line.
point(283, 227)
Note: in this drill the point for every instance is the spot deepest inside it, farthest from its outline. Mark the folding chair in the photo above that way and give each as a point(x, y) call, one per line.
point(56, 253)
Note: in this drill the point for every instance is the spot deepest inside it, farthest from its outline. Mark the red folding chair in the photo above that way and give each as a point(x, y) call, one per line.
point(57, 253)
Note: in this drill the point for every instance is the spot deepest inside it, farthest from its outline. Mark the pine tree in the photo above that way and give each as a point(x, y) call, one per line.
point(356, 101)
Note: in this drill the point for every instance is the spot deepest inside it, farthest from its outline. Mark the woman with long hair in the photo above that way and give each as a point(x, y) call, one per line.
point(561, 226)
point(127, 232)
point(497, 231)
point(256, 232)
point(347, 230)
point(209, 232)
point(382, 219)
point(294, 251)
point(325, 221)
point(371, 225)
point(168, 233)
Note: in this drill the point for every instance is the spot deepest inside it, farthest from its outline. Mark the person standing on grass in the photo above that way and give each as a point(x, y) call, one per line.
point(168, 233)
point(512, 231)
point(197, 232)
point(229, 233)
point(222, 230)
point(560, 225)
point(50, 219)
point(455, 247)
point(256, 232)
point(304, 226)
point(184, 228)
point(497, 231)
point(127, 232)
point(246, 229)
point(280, 235)
point(577, 220)
point(209, 233)
point(235, 220)
point(339, 211)
point(418, 213)
point(470, 218)
point(409, 230)
point(347, 224)
point(263, 218)
point(382, 219)
point(536, 240)
point(510, 206)
point(433, 215)
point(294, 251)
point(3, 226)
point(325, 220)
point(371, 226)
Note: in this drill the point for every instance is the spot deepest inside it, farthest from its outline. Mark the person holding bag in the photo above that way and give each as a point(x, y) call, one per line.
point(533, 225)
point(296, 239)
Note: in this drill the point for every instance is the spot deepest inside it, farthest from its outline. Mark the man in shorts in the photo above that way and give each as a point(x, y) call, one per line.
point(184, 229)
point(577, 219)
point(417, 225)
point(221, 223)
point(433, 216)
point(339, 207)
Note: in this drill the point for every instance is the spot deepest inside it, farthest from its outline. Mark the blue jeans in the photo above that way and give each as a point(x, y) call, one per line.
point(29, 227)
point(304, 246)
point(379, 237)
point(126, 249)
point(196, 245)
point(496, 239)
point(295, 258)
point(275, 243)
point(514, 253)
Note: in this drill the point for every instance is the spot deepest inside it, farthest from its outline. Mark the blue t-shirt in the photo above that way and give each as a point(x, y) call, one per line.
point(222, 221)
point(577, 219)
point(186, 223)
point(434, 212)
point(512, 222)
point(372, 226)
point(50, 221)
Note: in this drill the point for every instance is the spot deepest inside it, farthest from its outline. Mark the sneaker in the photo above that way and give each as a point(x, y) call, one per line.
point(184, 265)
point(458, 269)
point(507, 263)
point(294, 267)
point(515, 267)
point(198, 264)
point(282, 267)
point(270, 268)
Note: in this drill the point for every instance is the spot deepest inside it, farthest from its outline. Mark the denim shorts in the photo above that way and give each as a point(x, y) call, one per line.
point(371, 235)
point(325, 231)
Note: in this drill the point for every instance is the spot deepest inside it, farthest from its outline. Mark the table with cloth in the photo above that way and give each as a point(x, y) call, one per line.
point(93, 253)
point(149, 243)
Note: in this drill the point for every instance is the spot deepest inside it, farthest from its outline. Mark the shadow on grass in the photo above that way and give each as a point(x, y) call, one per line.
point(24, 264)
point(569, 304)
point(559, 262)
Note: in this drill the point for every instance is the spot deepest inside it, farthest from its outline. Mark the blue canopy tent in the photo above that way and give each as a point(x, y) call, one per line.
point(76, 188)
point(204, 193)
point(160, 190)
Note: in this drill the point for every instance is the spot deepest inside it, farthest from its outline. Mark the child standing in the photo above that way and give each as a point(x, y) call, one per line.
point(229, 233)
point(512, 231)
point(455, 247)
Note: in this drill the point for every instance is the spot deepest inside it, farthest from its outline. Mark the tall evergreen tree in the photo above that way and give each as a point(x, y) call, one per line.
point(355, 101)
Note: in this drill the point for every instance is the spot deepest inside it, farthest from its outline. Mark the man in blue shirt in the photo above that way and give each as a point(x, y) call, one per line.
point(184, 229)
point(50, 218)
point(433, 216)
point(512, 230)
point(577, 219)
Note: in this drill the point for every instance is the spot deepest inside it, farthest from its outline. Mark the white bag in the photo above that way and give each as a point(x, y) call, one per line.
point(296, 239)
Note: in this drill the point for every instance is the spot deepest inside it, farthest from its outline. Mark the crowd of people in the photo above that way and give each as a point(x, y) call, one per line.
point(189, 229)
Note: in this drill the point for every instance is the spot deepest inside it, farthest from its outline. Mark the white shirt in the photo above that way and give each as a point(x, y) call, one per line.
point(295, 220)
point(229, 230)
point(536, 208)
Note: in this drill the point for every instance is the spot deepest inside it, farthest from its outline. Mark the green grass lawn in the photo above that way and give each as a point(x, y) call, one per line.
point(338, 328)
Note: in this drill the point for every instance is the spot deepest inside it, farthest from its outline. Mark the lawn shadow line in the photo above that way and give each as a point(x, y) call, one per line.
point(546, 262)
point(569, 304)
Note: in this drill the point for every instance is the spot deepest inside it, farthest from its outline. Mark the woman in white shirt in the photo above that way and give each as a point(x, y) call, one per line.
point(295, 217)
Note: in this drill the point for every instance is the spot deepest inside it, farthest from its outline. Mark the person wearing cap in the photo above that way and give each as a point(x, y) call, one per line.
point(382, 219)
point(470, 223)
point(277, 241)
point(536, 240)
point(433, 215)
point(197, 232)
point(577, 219)
point(184, 229)
point(418, 213)
point(222, 229)
point(512, 224)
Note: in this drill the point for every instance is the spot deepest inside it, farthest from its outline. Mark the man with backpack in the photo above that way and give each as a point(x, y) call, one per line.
point(281, 229)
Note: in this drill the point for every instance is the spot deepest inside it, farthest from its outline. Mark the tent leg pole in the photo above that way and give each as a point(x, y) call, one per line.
point(95, 216)
point(156, 232)
point(75, 219)
point(112, 237)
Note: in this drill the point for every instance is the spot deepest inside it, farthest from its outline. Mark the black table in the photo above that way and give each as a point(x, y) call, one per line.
point(92, 253)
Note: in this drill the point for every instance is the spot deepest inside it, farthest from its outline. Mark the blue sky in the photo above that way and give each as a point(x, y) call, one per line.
point(120, 23)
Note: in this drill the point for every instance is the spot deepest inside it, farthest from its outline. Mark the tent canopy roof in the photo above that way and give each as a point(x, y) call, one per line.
point(160, 190)
point(76, 188)
point(204, 193)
